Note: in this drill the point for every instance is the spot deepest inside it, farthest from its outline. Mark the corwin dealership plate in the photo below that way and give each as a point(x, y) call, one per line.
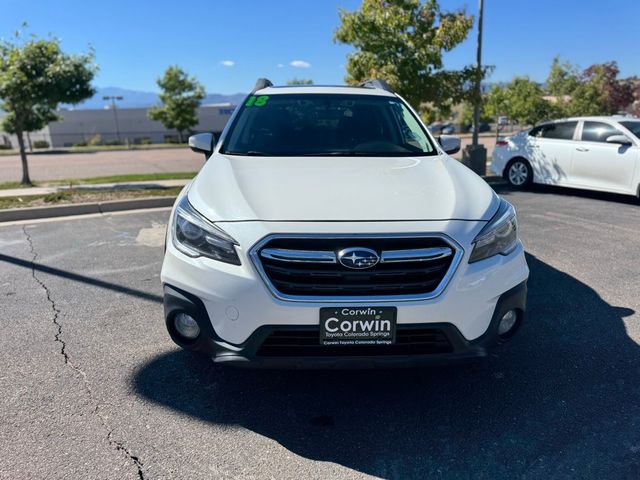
point(358, 325)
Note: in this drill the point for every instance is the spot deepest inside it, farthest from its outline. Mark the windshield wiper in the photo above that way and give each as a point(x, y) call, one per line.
point(250, 153)
point(357, 154)
point(346, 154)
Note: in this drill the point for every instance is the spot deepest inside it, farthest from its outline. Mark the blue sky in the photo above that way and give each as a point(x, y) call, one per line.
point(136, 40)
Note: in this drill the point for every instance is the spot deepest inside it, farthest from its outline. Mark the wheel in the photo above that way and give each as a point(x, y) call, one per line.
point(519, 173)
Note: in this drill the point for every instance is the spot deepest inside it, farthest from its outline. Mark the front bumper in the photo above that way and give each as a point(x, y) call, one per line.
point(248, 353)
point(236, 310)
point(238, 301)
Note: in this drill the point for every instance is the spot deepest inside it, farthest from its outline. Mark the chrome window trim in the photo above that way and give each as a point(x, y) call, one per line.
point(455, 262)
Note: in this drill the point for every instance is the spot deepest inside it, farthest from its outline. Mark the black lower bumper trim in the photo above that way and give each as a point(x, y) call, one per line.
point(248, 354)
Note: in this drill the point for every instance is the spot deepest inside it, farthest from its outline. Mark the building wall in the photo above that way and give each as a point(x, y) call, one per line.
point(80, 126)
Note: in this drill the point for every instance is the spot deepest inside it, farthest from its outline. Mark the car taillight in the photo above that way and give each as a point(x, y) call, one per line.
point(502, 143)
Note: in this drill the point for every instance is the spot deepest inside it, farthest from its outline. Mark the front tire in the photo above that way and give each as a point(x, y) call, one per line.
point(519, 173)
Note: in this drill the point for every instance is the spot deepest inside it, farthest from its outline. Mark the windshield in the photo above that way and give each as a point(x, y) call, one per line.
point(633, 127)
point(326, 124)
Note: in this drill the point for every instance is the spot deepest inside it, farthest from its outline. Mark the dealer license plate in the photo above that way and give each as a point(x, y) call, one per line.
point(358, 325)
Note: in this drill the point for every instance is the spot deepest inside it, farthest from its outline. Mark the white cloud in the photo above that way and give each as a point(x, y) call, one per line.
point(280, 65)
point(300, 64)
point(227, 63)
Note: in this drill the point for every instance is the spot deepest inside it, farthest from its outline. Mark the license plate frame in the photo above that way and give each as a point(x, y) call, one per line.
point(349, 326)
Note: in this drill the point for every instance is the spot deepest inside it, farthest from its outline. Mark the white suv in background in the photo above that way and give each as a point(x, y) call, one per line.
point(595, 153)
point(329, 228)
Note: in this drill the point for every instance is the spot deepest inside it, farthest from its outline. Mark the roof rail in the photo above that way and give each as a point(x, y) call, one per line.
point(262, 83)
point(376, 83)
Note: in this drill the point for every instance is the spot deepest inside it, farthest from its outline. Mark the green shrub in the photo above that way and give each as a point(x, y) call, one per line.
point(95, 140)
point(57, 197)
point(40, 144)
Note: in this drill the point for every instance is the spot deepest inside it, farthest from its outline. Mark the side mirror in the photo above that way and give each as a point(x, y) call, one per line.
point(202, 143)
point(450, 144)
point(620, 139)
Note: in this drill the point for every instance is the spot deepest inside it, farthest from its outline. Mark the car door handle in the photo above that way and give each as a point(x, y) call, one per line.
point(582, 149)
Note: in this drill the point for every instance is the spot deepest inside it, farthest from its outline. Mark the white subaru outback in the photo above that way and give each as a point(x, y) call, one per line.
point(328, 228)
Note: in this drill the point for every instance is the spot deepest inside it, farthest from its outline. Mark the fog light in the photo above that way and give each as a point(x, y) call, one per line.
point(507, 322)
point(186, 326)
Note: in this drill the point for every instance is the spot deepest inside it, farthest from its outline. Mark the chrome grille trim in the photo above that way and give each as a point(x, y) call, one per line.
point(300, 256)
point(456, 250)
point(386, 256)
point(418, 255)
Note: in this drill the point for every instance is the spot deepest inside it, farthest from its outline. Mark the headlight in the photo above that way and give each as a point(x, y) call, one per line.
point(499, 236)
point(196, 236)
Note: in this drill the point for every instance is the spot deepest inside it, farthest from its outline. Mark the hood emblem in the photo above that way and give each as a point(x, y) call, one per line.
point(358, 258)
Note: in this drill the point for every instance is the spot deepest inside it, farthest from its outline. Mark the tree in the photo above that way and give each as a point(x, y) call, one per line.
point(634, 85)
point(616, 95)
point(300, 81)
point(495, 102)
point(562, 79)
point(181, 96)
point(586, 99)
point(595, 91)
point(402, 42)
point(493, 105)
point(466, 114)
point(522, 100)
point(36, 76)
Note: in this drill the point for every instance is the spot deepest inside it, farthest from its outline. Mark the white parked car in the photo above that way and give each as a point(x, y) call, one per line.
point(595, 153)
point(329, 228)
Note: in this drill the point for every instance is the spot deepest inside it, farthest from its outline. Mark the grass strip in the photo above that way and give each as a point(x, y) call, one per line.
point(85, 196)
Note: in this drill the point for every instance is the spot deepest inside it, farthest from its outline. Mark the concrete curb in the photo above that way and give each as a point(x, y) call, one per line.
point(16, 214)
point(494, 180)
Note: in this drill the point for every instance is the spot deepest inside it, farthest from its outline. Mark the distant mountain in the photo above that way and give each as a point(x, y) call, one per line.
point(234, 98)
point(138, 99)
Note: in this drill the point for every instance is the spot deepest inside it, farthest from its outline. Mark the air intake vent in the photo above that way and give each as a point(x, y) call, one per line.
point(305, 343)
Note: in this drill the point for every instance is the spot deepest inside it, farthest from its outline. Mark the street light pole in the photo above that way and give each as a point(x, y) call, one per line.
point(113, 99)
point(476, 107)
point(475, 155)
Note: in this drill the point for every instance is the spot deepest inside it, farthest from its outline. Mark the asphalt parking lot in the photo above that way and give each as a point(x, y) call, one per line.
point(61, 166)
point(92, 387)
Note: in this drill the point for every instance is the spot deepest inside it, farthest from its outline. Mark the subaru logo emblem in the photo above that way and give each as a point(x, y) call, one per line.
point(358, 258)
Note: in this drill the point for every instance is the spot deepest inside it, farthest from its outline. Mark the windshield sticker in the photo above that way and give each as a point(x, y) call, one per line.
point(260, 101)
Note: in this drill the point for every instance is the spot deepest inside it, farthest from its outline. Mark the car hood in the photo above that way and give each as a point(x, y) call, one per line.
point(234, 188)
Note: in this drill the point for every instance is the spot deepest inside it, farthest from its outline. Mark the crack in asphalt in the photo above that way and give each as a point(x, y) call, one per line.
point(56, 310)
point(118, 445)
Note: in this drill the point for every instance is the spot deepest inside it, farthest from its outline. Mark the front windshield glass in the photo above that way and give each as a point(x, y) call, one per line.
point(326, 124)
point(633, 127)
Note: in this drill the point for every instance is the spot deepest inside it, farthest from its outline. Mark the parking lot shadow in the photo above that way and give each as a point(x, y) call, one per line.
point(504, 189)
point(561, 400)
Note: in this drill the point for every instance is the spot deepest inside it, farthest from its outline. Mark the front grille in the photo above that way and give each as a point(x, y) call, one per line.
point(306, 343)
point(310, 267)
